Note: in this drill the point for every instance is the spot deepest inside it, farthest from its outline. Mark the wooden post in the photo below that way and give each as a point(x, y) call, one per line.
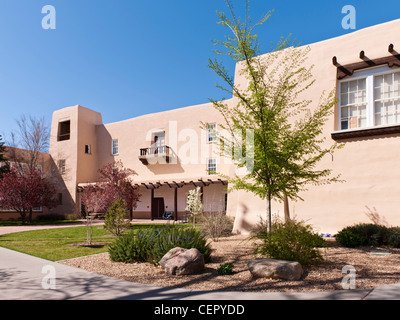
point(151, 203)
point(286, 208)
point(176, 203)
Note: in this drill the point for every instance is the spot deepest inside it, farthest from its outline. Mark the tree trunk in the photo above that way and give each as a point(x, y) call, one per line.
point(30, 216)
point(269, 214)
point(286, 208)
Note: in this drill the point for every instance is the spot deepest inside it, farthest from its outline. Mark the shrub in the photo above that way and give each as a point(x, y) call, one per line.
point(348, 239)
point(225, 269)
point(216, 225)
point(394, 237)
point(364, 234)
point(292, 240)
point(152, 244)
point(132, 247)
point(114, 220)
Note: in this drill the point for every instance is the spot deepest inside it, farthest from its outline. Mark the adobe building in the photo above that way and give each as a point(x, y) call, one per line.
point(172, 155)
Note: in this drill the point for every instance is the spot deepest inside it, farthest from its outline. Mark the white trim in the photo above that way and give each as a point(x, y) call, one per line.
point(369, 76)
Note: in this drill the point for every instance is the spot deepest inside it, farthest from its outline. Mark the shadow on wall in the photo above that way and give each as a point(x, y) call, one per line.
point(241, 225)
point(167, 168)
point(66, 203)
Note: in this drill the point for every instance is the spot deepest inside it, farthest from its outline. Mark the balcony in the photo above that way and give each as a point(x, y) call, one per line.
point(154, 155)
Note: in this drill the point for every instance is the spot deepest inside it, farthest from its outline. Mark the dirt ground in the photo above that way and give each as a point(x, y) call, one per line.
point(371, 270)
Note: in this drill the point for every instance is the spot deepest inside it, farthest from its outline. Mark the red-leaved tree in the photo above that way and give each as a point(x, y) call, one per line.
point(115, 183)
point(24, 191)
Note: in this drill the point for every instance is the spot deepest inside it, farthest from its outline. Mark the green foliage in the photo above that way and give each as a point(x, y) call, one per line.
point(225, 269)
point(348, 239)
point(368, 234)
point(153, 243)
point(394, 237)
point(293, 241)
point(114, 220)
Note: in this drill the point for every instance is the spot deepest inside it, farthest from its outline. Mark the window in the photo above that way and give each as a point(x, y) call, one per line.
point(64, 130)
point(211, 132)
point(212, 166)
point(88, 149)
point(370, 98)
point(61, 166)
point(114, 147)
point(59, 198)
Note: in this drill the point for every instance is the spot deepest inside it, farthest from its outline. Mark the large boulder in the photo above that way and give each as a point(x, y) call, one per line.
point(275, 269)
point(179, 261)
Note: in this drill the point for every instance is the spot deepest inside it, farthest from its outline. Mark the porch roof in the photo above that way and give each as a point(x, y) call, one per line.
point(180, 182)
point(172, 183)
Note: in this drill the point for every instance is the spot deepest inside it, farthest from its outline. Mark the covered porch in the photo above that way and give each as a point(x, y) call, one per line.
point(161, 198)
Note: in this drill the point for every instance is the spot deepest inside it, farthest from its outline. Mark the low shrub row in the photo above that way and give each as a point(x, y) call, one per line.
point(151, 244)
point(368, 234)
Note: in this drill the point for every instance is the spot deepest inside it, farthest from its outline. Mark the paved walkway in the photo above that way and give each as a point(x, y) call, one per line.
point(24, 277)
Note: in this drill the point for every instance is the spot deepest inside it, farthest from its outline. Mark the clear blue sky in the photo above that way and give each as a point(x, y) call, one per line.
point(125, 58)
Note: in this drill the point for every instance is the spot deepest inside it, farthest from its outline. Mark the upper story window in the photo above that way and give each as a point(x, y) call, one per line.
point(211, 166)
point(88, 149)
point(61, 166)
point(370, 98)
point(114, 147)
point(64, 130)
point(212, 132)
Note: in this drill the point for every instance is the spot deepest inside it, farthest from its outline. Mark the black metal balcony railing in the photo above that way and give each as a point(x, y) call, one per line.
point(162, 151)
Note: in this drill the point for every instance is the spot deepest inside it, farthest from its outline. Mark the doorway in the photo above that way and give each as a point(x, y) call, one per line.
point(157, 208)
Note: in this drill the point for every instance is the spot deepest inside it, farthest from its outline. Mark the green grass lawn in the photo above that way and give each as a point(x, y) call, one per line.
point(52, 244)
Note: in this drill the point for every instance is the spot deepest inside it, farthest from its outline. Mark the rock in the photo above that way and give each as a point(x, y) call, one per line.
point(179, 261)
point(275, 269)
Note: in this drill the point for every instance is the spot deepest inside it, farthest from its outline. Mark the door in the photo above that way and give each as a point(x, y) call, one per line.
point(157, 208)
point(159, 142)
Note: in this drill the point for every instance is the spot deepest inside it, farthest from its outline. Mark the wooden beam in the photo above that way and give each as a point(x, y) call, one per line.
point(151, 204)
point(176, 203)
point(223, 182)
point(348, 69)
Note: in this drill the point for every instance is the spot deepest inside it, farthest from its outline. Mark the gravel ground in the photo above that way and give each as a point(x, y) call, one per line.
point(371, 270)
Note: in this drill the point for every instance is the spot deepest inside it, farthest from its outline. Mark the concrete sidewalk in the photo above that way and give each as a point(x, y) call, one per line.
point(24, 277)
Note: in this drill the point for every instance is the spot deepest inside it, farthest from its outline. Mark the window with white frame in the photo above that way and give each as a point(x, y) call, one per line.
point(211, 166)
point(61, 166)
point(211, 132)
point(370, 98)
point(114, 147)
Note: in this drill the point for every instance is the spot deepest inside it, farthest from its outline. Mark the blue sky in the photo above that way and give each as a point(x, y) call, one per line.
point(125, 58)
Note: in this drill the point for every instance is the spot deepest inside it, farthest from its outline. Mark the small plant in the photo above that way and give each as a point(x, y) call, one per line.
point(225, 269)
point(194, 204)
point(115, 218)
point(217, 225)
point(292, 240)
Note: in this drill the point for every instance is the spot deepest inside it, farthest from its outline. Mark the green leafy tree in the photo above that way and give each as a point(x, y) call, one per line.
point(271, 112)
point(114, 220)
